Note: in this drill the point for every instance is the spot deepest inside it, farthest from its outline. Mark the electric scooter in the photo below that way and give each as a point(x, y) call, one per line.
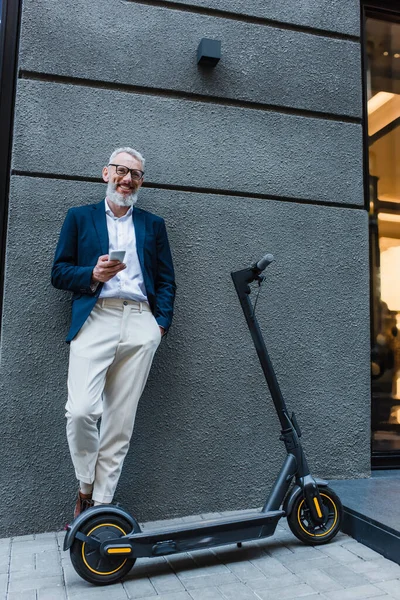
point(104, 541)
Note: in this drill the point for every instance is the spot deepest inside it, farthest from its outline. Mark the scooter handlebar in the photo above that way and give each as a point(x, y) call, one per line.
point(264, 262)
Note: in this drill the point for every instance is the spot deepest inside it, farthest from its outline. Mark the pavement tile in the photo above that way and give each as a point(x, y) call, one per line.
point(270, 566)
point(71, 577)
point(344, 576)
point(166, 583)
point(139, 588)
point(210, 581)
point(281, 532)
point(237, 592)
point(150, 567)
point(27, 595)
point(391, 587)
point(339, 553)
point(23, 538)
point(245, 571)
point(187, 574)
point(362, 551)
point(361, 592)
point(384, 573)
point(211, 593)
point(173, 596)
point(229, 554)
point(205, 558)
point(319, 580)
point(19, 581)
point(4, 564)
point(181, 562)
point(23, 562)
point(299, 566)
point(187, 566)
point(287, 593)
point(305, 551)
point(3, 583)
point(23, 549)
point(341, 538)
point(277, 548)
point(50, 535)
point(273, 583)
point(364, 566)
point(92, 592)
point(45, 562)
point(53, 593)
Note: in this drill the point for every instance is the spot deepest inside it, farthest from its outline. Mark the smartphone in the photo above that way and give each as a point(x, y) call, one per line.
point(117, 255)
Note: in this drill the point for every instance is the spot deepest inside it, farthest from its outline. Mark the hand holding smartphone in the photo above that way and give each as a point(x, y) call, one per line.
point(117, 255)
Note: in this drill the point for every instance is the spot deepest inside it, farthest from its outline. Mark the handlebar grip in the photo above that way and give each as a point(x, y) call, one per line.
point(264, 262)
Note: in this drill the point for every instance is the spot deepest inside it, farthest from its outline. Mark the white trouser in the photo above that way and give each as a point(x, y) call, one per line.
point(109, 363)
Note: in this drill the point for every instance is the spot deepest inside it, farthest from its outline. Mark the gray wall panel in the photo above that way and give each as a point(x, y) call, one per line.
point(71, 130)
point(205, 424)
point(153, 47)
point(333, 15)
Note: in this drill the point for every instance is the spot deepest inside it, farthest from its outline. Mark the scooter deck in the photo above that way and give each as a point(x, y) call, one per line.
point(202, 534)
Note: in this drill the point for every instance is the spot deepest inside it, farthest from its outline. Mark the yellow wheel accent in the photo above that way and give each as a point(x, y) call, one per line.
point(319, 513)
point(325, 532)
point(84, 544)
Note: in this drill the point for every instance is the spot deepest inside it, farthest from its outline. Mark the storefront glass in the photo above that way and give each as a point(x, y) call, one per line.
point(383, 88)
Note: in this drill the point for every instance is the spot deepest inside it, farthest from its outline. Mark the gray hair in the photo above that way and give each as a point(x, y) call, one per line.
point(130, 151)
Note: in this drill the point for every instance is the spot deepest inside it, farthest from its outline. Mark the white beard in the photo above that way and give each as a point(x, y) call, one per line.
point(120, 199)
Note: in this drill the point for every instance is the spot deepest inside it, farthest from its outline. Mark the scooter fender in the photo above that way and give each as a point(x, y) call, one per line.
point(110, 509)
point(294, 493)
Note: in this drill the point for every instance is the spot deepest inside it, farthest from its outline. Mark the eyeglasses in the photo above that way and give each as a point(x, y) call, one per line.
point(122, 171)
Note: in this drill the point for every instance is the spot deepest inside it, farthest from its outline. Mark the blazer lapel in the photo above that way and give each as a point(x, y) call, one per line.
point(140, 232)
point(100, 223)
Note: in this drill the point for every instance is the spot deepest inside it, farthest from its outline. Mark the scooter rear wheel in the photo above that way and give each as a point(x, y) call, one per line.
point(87, 560)
point(302, 525)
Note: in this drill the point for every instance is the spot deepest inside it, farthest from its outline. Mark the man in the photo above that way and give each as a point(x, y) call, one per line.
point(120, 311)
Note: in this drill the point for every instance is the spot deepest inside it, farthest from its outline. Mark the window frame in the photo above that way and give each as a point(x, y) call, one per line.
point(9, 42)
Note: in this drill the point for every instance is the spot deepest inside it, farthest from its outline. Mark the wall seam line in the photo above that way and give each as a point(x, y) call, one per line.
point(246, 18)
point(190, 189)
point(181, 95)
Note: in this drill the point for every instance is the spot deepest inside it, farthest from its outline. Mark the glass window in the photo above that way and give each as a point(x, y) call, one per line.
point(383, 88)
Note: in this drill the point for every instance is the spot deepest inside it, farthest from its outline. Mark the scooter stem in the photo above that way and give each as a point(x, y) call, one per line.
point(241, 280)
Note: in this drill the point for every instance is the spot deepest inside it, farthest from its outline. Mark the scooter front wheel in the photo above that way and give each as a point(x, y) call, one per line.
point(301, 522)
point(86, 558)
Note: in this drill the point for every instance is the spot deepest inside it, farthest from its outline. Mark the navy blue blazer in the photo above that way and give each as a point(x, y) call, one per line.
point(84, 237)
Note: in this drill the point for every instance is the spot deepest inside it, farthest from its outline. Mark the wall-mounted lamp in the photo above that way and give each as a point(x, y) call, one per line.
point(209, 52)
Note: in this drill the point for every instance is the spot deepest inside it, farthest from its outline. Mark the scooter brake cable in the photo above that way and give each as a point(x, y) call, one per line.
point(260, 281)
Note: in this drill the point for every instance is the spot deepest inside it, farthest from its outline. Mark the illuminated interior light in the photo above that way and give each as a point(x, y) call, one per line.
point(378, 100)
point(389, 217)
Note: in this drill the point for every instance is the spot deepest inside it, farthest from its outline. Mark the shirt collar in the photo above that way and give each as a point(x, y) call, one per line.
point(110, 212)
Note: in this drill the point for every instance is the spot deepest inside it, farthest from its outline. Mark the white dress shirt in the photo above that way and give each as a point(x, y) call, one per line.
point(128, 283)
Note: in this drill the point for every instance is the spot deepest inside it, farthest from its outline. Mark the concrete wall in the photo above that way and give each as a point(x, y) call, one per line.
point(263, 153)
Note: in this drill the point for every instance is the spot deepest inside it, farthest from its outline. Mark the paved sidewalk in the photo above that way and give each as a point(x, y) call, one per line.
point(278, 568)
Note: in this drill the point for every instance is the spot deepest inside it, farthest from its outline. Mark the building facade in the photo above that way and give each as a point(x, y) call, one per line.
point(265, 152)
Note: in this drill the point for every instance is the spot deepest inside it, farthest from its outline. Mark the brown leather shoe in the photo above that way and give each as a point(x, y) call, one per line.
point(83, 502)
